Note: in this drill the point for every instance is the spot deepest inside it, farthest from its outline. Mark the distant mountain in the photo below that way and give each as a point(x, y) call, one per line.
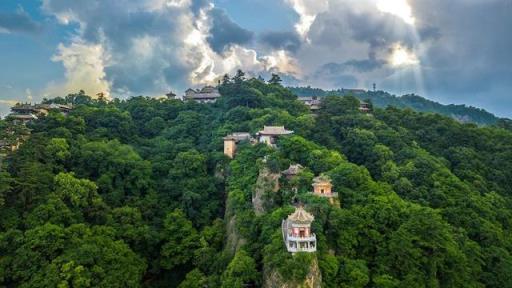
point(383, 99)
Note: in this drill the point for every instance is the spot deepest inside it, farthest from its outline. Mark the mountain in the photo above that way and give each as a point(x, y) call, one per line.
point(142, 192)
point(462, 113)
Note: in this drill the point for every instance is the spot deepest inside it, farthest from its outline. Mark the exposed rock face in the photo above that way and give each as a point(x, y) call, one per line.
point(234, 240)
point(267, 183)
point(313, 280)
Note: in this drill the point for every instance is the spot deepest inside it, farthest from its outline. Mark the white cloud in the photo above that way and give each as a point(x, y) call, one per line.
point(399, 8)
point(85, 69)
point(10, 102)
point(148, 47)
point(307, 10)
point(401, 57)
point(282, 62)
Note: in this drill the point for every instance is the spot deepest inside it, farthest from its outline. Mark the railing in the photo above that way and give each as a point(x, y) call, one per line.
point(332, 195)
point(298, 249)
point(311, 238)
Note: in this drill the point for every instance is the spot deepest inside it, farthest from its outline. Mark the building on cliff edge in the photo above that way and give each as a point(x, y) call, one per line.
point(297, 234)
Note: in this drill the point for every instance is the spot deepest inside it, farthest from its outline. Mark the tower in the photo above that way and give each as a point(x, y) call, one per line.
point(297, 232)
point(171, 95)
point(230, 146)
point(322, 187)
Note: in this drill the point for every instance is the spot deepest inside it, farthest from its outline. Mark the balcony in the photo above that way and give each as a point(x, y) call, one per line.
point(311, 238)
point(331, 195)
point(295, 250)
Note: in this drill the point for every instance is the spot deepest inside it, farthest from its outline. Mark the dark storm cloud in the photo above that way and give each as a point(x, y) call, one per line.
point(336, 74)
point(18, 22)
point(342, 24)
point(366, 65)
point(282, 40)
point(225, 32)
point(463, 47)
point(471, 53)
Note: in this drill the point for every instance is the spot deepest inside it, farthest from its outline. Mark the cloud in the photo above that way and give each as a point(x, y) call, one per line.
point(84, 64)
point(225, 32)
point(152, 46)
point(281, 40)
point(8, 102)
point(19, 22)
point(307, 11)
point(454, 51)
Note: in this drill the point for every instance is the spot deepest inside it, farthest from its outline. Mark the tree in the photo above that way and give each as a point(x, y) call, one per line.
point(190, 185)
point(354, 273)
point(240, 272)
point(194, 279)
point(180, 240)
point(6, 182)
point(239, 78)
point(275, 80)
point(118, 170)
point(226, 80)
point(78, 256)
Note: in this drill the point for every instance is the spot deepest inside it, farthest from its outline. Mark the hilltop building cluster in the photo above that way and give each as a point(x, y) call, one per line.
point(314, 103)
point(207, 94)
point(210, 94)
point(267, 136)
point(296, 228)
point(23, 113)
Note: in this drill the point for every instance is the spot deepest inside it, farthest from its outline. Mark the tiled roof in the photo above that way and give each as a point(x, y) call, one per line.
point(321, 179)
point(239, 136)
point(275, 130)
point(22, 116)
point(301, 216)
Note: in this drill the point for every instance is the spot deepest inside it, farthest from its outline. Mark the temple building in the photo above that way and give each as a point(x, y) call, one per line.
point(25, 113)
point(364, 107)
point(232, 140)
point(312, 102)
point(353, 92)
point(297, 234)
point(29, 109)
point(269, 134)
point(18, 119)
point(207, 94)
point(9, 146)
point(322, 187)
point(170, 96)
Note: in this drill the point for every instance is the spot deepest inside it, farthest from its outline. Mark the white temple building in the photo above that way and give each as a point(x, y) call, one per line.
point(269, 134)
point(297, 234)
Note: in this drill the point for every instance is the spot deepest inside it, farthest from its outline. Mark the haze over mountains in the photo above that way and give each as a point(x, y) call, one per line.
point(382, 99)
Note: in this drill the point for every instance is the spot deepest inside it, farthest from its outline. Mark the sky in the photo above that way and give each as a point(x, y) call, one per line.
point(457, 51)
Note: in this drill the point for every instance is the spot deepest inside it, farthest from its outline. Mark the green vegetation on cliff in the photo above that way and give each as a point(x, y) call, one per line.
point(137, 193)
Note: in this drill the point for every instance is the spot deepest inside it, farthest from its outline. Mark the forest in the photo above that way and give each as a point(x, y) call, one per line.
point(382, 99)
point(138, 193)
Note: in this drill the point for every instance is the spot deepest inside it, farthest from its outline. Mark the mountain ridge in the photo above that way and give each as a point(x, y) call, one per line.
point(460, 112)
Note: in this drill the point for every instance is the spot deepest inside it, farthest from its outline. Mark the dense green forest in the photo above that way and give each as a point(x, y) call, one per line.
point(383, 99)
point(138, 193)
